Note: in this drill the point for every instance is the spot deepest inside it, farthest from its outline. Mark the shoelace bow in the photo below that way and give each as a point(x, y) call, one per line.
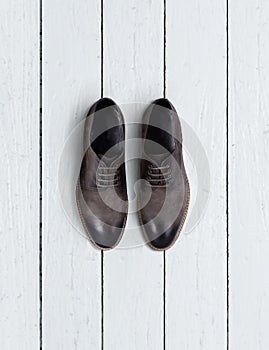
point(159, 176)
point(108, 176)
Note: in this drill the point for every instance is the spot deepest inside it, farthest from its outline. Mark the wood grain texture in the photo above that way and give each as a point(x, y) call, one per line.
point(196, 84)
point(196, 267)
point(71, 266)
point(249, 173)
point(19, 179)
point(133, 72)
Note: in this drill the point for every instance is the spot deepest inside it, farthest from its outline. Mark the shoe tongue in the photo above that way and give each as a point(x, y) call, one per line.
point(108, 161)
point(158, 159)
point(112, 154)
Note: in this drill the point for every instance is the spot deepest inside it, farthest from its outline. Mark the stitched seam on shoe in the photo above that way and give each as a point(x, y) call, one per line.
point(181, 225)
point(88, 232)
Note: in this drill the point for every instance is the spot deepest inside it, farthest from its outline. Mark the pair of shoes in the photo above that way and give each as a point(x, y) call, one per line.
point(101, 191)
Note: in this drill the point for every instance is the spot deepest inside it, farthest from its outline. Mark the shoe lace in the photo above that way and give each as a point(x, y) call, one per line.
point(107, 176)
point(159, 176)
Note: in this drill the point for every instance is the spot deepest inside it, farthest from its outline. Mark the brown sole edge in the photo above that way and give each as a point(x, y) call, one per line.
point(181, 225)
point(88, 233)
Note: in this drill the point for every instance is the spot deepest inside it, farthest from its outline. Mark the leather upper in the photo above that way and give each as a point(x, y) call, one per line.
point(101, 189)
point(164, 175)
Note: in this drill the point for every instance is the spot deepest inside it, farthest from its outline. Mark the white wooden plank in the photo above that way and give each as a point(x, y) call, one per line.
point(196, 84)
point(19, 179)
point(133, 277)
point(249, 173)
point(71, 266)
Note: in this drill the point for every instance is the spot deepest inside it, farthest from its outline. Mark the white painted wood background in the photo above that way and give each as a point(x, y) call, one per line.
point(211, 290)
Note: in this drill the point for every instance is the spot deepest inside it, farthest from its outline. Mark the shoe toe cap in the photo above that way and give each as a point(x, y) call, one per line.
point(166, 239)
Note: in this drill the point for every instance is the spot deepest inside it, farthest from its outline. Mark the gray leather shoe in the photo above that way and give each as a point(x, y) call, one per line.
point(101, 189)
point(164, 195)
